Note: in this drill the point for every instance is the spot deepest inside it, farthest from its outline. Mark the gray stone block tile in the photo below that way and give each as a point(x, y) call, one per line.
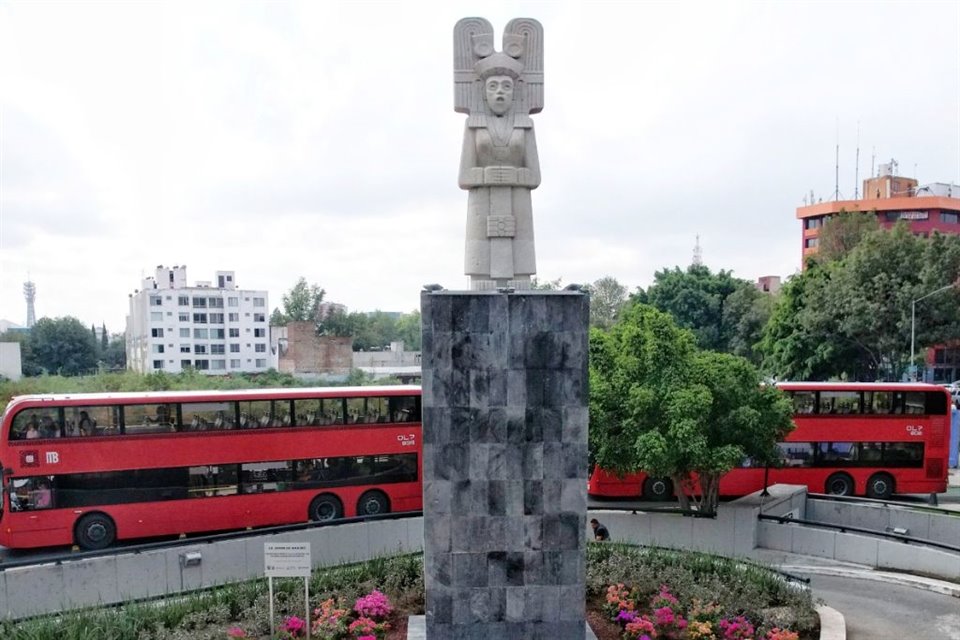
point(496, 498)
point(469, 498)
point(144, 575)
point(515, 598)
point(532, 461)
point(225, 562)
point(439, 605)
point(532, 498)
point(533, 569)
point(855, 548)
point(573, 606)
point(553, 468)
point(90, 582)
point(497, 380)
point(576, 420)
point(773, 535)
point(553, 495)
point(498, 462)
point(814, 542)
point(469, 569)
point(573, 495)
point(533, 384)
point(32, 590)
point(533, 533)
point(516, 389)
point(574, 461)
point(437, 496)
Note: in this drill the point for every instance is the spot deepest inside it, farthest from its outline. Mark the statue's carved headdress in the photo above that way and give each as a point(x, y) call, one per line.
point(474, 59)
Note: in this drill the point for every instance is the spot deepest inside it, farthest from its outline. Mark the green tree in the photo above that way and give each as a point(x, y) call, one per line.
point(696, 299)
point(114, 356)
point(409, 330)
point(660, 405)
point(842, 232)
point(607, 297)
point(851, 318)
point(300, 304)
point(546, 285)
point(63, 345)
point(28, 365)
point(746, 312)
point(104, 338)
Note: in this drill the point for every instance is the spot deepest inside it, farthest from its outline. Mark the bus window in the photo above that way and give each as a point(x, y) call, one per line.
point(149, 418)
point(796, 454)
point(213, 480)
point(871, 452)
point(840, 402)
point(936, 404)
point(265, 413)
point(207, 416)
point(916, 402)
point(903, 454)
point(357, 410)
point(837, 454)
point(92, 420)
point(880, 402)
point(404, 409)
point(36, 423)
point(262, 477)
point(804, 402)
point(31, 494)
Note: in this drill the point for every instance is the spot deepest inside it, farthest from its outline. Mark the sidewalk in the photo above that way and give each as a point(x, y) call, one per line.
point(811, 565)
point(953, 478)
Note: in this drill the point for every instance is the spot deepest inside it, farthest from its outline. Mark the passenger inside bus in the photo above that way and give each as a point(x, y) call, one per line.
point(85, 425)
point(40, 498)
point(47, 428)
point(33, 429)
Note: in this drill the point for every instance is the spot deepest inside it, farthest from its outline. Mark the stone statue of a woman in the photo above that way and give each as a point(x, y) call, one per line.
point(498, 164)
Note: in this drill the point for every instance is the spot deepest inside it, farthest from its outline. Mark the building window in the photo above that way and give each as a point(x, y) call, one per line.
point(260, 347)
point(200, 334)
point(215, 303)
point(259, 302)
point(184, 317)
point(809, 243)
point(259, 317)
point(260, 363)
point(156, 316)
point(183, 301)
point(218, 364)
point(201, 365)
point(234, 348)
point(156, 333)
point(200, 302)
point(812, 223)
point(158, 364)
point(257, 333)
point(156, 301)
point(199, 348)
point(216, 318)
point(233, 302)
point(949, 218)
point(217, 349)
point(233, 317)
point(234, 364)
point(184, 348)
point(216, 334)
point(184, 333)
point(234, 333)
point(184, 364)
point(200, 318)
point(157, 348)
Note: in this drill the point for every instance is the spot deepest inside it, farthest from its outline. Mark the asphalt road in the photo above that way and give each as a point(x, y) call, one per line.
point(881, 611)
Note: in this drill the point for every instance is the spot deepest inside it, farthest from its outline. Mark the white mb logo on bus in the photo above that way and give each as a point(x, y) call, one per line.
point(53, 457)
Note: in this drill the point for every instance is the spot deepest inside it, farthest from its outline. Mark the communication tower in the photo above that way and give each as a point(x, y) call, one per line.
point(30, 293)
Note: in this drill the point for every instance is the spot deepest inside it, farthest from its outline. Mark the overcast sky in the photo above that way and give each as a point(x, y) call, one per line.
point(318, 139)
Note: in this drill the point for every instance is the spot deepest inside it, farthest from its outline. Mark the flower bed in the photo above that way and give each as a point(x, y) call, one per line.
point(373, 600)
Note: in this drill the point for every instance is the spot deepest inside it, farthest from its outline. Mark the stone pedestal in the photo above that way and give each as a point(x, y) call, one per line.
point(505, 463)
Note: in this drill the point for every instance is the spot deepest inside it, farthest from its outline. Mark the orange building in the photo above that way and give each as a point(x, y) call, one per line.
point(892, 198)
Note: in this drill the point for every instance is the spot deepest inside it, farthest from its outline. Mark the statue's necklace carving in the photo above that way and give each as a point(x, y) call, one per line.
point(501, 128)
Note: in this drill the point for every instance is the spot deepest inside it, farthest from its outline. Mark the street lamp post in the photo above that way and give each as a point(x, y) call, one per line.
point(913, 322)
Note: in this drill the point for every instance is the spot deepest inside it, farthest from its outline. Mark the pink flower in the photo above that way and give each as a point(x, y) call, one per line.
point(373, 605)
point(294, 626)
point(236, 632)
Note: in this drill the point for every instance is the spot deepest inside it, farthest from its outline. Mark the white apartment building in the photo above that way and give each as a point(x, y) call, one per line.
point(214, 329)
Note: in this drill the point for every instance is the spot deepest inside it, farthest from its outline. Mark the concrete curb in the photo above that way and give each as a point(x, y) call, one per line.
point(832, 624)
point(926, 584)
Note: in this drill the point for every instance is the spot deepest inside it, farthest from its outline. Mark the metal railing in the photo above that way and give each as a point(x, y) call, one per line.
point(844, 528)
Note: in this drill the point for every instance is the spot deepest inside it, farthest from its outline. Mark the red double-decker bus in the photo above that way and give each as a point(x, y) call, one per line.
point(89, 469)
point(872, 439)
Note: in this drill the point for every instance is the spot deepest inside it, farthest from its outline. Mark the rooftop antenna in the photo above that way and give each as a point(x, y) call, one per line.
point(697, 253)
point(836, 167)
point(856, 170)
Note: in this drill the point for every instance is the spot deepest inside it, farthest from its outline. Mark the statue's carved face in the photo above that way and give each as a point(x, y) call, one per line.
point(499, 91)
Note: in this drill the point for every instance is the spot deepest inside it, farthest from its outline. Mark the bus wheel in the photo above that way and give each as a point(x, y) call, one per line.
point(325, 507)
point(658, 489)
point(94, 531)
point(373, 503)
point(839, 484)
point(880, 486)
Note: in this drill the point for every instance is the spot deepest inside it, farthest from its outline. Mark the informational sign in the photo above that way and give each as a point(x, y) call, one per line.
point(287, 559)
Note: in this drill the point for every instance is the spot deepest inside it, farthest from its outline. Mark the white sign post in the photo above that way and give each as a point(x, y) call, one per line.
point(288, 560)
